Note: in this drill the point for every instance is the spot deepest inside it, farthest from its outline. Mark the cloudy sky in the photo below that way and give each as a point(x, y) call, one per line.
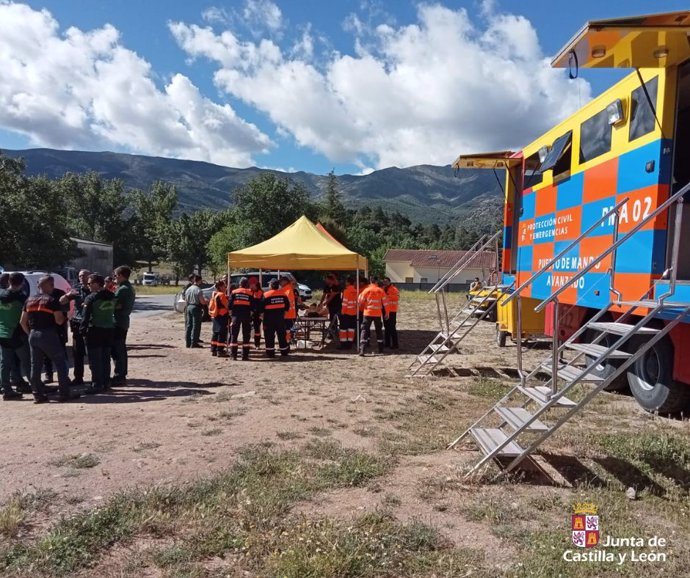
point(311, 85)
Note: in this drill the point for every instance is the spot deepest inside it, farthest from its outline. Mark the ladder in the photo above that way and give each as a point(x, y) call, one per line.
point(454, 328)
point(515, 426)
point(447, 340)
point(529, 414)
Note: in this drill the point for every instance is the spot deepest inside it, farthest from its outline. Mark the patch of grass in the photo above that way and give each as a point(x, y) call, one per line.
point(488, 388)
point(158, 290)
point(424, 425)
point(78, 462)
point(212, 432)
point(289, 435)
point(373, 545)
point(243, 510)
point(12, 515)
point(320, 431)
point(143, 446)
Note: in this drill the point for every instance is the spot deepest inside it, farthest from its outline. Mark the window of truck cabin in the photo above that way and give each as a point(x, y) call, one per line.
point(595, 136)
point(642, 119)
point(559, 157)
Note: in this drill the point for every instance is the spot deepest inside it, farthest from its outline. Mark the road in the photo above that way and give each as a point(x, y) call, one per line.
point(148, 305)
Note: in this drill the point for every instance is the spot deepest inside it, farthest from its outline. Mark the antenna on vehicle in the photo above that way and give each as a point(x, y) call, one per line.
point(573, 65)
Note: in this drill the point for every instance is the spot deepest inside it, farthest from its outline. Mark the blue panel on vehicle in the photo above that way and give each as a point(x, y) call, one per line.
point(570, 192)
point(633, 167)
point(528, 206)
point(544, 228)
point(567, 263)
point(524, 260)
point(642, 253)
point(592, 212)
point(594, 290)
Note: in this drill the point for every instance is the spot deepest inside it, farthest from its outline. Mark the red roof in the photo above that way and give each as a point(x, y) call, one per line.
point(445, 259)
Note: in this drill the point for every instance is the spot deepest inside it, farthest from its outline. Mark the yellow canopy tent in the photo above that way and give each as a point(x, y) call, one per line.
point(300, 246)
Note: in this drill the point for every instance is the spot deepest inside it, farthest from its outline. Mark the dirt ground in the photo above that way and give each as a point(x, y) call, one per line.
point(185, 415)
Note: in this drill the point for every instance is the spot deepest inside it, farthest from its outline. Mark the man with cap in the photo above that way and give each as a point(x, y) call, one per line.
point(242, 305)
point(41, 319)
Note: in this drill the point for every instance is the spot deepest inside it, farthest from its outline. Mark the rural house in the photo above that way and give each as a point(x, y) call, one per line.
point(419, 267)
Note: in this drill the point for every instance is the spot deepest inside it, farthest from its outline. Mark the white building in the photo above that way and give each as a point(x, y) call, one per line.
point(418, 266)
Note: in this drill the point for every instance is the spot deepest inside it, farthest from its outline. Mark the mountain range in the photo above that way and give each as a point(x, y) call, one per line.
point(424, 193)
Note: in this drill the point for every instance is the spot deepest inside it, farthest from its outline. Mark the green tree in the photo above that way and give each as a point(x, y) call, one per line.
point(229, 238)
point(189, 238)
point(268, 204)
point(333, 208)
point(153, 211)
point(35, 231)
point(97, 210)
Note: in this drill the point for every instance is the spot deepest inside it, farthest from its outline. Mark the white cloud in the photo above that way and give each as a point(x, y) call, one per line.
point(263, 13)
point(419, 93)
point(85, 90)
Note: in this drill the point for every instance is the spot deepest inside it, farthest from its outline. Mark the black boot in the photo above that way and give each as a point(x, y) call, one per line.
point(257, 342)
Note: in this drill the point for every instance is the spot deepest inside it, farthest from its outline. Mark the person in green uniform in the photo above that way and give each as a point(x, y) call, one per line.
point(97, 326)
point(13, 340)
point(78, 295)
point(124, 296)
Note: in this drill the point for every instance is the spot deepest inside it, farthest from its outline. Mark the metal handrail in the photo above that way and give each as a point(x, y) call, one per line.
point(462, 263)
point(454, 268)
point(662, 207)
point(564, 251)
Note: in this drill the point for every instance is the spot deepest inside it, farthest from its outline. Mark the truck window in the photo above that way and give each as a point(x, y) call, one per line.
point(533, 175)
point(558, 158)
point(642, 119)
point(595, 137)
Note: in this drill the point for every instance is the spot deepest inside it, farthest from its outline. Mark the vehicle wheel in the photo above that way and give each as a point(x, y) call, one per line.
point(610, 365)
point(501, 337)
point(492, 316)
point(651, 379)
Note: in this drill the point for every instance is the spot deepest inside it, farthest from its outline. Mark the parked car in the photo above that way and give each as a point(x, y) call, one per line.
point(31, 283)
point(179, 302)
point(151, 279)
point(268, 276)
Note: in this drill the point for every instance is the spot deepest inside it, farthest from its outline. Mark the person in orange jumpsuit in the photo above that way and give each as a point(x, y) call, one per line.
point(371, 305)
point(348, 315)
point(390, 306)
point(219, 312)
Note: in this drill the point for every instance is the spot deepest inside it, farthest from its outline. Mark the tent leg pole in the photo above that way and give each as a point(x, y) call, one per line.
point(358, 344)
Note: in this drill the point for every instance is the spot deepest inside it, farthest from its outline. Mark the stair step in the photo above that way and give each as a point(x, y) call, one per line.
point(570, 373)
point(440, 347)
point(648, 303)
point(489, 439)
point(426, 358)
point(620, 328)
point(540, 394)
point(516, 417)
point(482, 299)
point(596, 351)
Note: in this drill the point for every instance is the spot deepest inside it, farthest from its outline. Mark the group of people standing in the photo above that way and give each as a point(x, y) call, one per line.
point(33, 334)
point(240, 310)
point(237, 311)
point(377, 303)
